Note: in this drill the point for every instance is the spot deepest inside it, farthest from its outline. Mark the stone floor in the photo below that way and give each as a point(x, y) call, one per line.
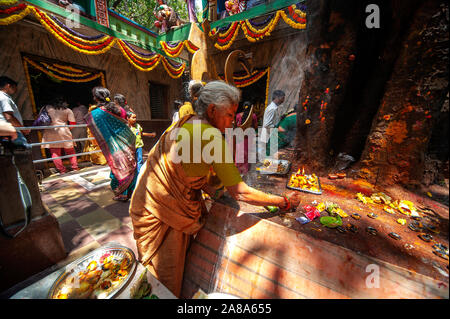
point(88, 216)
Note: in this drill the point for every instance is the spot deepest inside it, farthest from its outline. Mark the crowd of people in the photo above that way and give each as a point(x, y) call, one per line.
point(166, 206)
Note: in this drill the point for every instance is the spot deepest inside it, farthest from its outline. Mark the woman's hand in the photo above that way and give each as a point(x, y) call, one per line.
point(294, 198)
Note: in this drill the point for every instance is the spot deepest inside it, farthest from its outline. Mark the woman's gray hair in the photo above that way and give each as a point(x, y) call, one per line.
point(218, 93)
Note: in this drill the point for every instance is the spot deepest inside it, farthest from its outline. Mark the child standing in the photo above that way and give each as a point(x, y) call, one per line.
point(137, 130)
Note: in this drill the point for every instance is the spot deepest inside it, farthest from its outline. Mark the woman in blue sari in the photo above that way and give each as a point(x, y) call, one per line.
point(108, 123)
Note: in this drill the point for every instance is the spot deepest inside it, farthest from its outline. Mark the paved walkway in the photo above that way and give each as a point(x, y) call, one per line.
point(88, 216)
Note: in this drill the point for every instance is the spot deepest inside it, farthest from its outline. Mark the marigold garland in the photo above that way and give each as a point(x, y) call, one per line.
point(174, 51)
point(296, 19)
point(137, 65)
point(267, 86)
point(60, 28)
point(224, 43)
point(98, 49)
point(8, 2)
point(13, 9)
point(85, 44)
point(75, 75)
point(59, 77)
point(173, 72)
point(143, 61)
point(67, 68)
point(16, 17)
point(190, 46)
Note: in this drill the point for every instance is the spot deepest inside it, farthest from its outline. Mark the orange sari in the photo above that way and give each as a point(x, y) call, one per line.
point(166, 208)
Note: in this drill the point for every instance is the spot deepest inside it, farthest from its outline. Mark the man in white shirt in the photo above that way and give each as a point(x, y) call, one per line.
point(8, 109)
point(270, 119)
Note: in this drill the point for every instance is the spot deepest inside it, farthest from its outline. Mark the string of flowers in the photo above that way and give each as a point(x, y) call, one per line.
point(67, 68)
point(89, 76)
point(86, 49)
point(172, 50)
point(13, 9)
point(75, 75)
point(91, 45)
point(74, 33)
point(15, 17)
point(224, 41)
point(252, 31)
point(139, 65)
point(297, 18)
point(190, 46)
point(74, 40)
point(143, 54)
point(267, 86)
point(174, 71)
point(30, 88)
point(143, 61)
point(7, 2)
point(252, 34)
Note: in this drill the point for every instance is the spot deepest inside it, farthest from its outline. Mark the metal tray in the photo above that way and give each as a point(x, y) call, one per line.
point(261, 169)
point(81, 264)
point(306, 190)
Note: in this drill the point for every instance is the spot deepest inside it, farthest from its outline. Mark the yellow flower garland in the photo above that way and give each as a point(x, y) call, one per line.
point(81, 40)
point(166, 67)
point(291, 22)
point(37, 66)
point(188, 44)
point(176, 51)
point(267, 86)
point(298, 11)
point(253, 81)
point(67, 68)
point(122, 45)
point(15, 17)
point(7, 2)
point(30, 88)
point(225, 47)
point(57, 36)
point(80, 75)
point(158, 57)
point(266, 31)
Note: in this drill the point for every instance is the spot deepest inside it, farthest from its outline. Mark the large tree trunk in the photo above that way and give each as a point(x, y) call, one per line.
point(332, 39)
point(412, 102)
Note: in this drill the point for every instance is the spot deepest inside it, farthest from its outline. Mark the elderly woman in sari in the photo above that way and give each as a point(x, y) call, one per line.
point(108, 124)
point(166, 207)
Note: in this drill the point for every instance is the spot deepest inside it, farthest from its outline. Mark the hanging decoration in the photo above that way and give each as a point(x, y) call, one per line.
point(92, 45)
point(78, 44)
point(142, 62)
point(253, 34)
point(174, 70)
point(174, 49)
point(7, 2)
point(254, 31)
point(13, 18)
point(246, 80)
point(227, 37)
point(63, 73)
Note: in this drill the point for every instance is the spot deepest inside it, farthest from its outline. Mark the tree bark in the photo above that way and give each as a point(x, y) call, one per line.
point(397, 144)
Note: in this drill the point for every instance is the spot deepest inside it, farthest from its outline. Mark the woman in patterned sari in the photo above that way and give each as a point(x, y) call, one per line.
point(108, 124)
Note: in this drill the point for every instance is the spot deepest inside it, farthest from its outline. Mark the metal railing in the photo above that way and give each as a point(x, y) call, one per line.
point(26, 128)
